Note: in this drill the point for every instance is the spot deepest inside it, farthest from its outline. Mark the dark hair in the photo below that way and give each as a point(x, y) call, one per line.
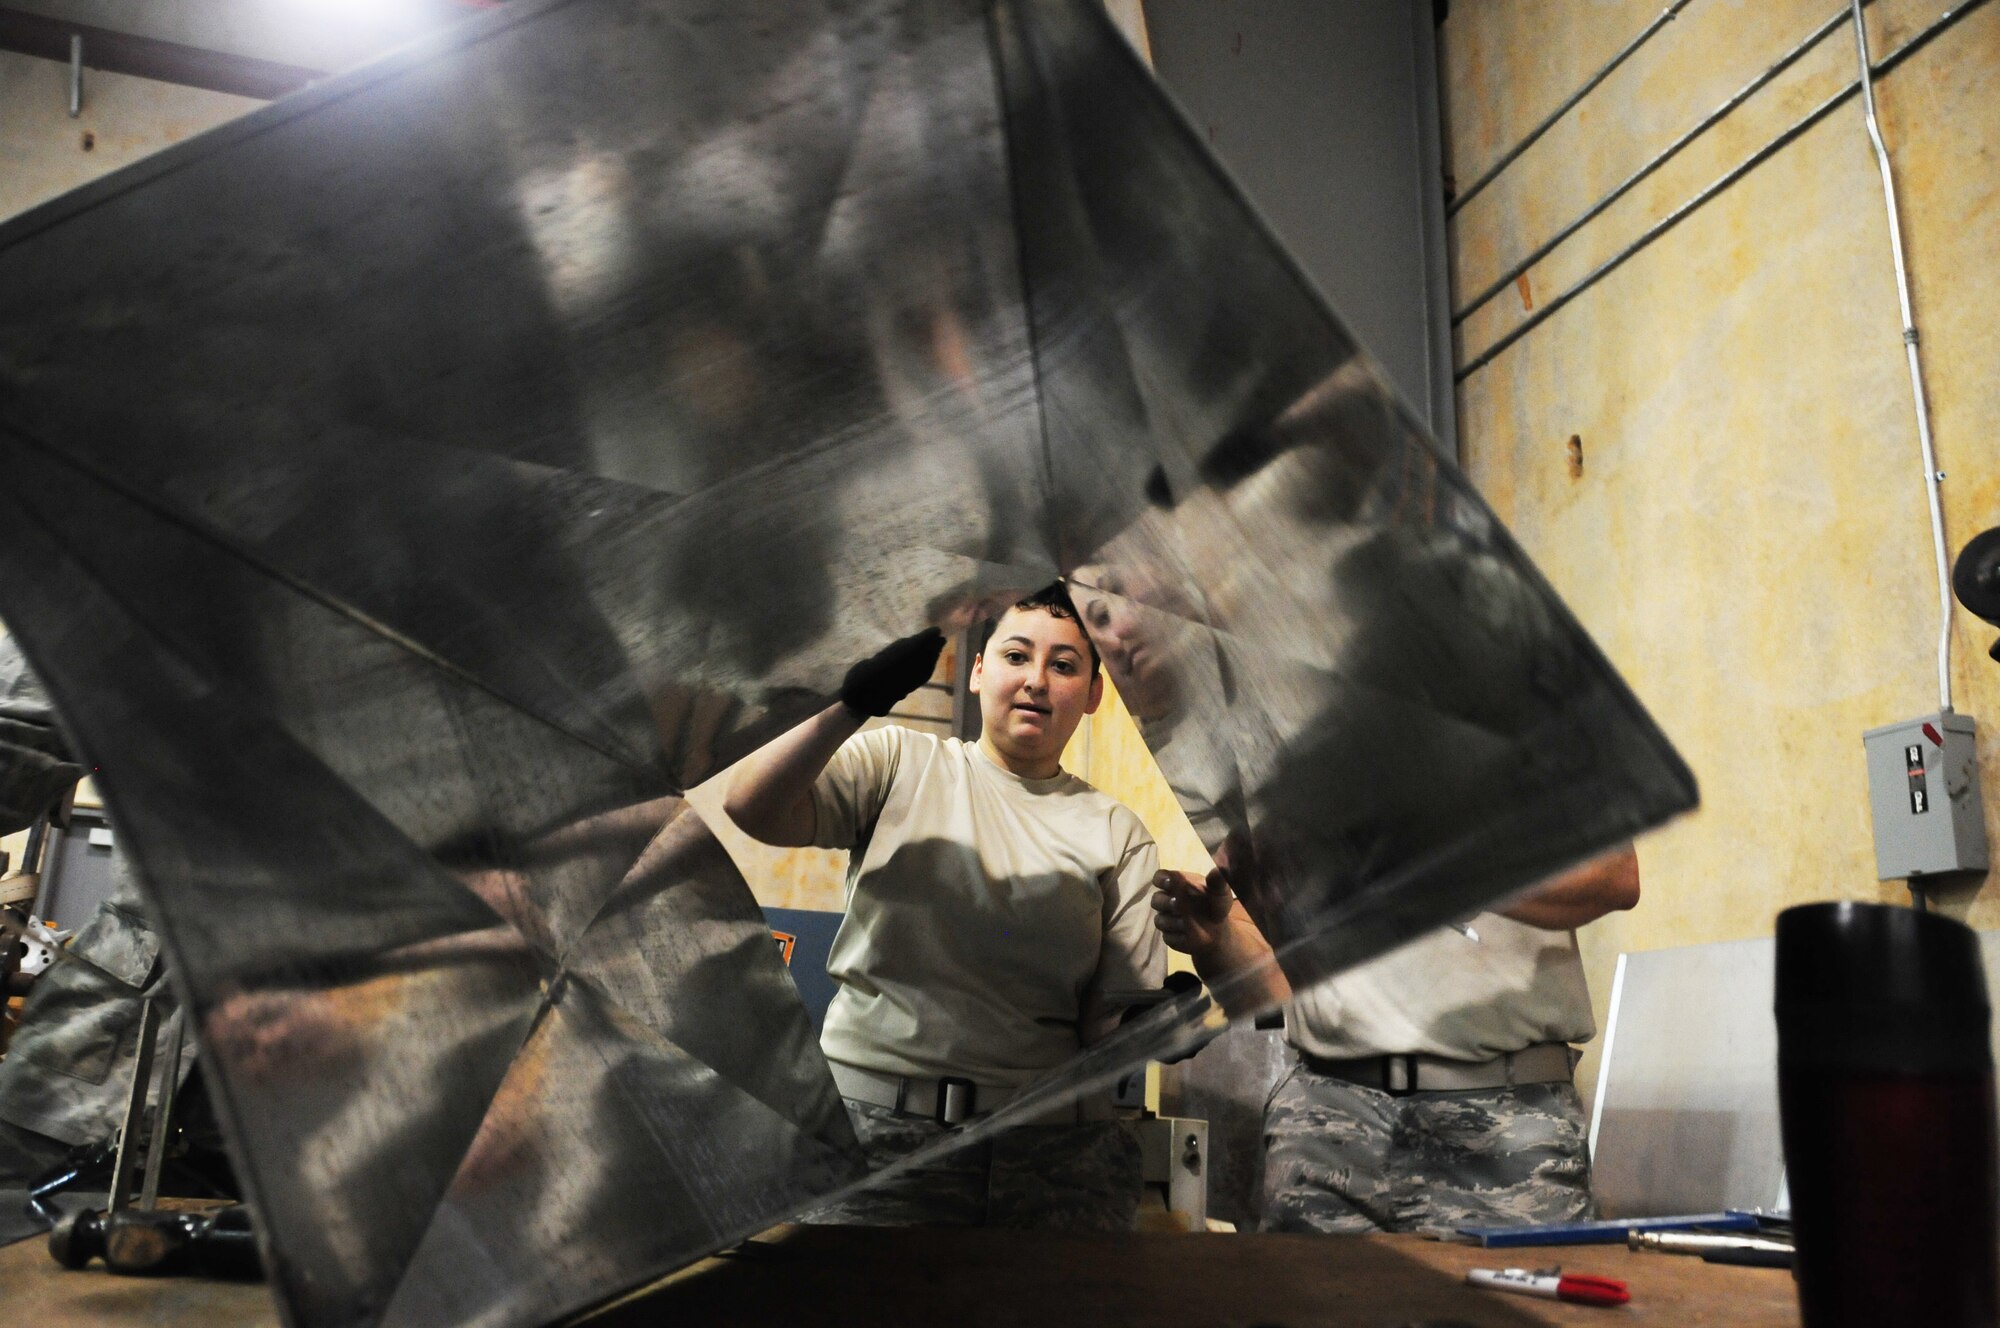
point(1053, 599)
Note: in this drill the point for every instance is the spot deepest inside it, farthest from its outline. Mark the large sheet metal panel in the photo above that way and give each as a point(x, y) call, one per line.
point(1685, 1118)
point(415, 486)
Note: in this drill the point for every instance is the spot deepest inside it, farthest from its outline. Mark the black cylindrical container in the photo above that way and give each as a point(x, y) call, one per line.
point(1885, 1092)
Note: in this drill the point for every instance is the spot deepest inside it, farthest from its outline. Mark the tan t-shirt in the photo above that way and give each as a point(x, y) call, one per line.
point(1445, 994)
point(988, 916)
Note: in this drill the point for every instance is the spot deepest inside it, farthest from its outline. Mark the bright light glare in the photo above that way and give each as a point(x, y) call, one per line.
point(364, 13)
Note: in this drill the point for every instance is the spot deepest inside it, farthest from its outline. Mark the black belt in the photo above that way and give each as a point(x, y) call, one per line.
point(1399, 1076)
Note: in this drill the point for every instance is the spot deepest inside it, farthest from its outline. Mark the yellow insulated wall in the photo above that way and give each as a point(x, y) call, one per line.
point(44, 153)
point(1748, 538)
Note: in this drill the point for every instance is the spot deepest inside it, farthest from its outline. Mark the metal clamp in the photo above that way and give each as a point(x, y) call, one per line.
point(125, 1167)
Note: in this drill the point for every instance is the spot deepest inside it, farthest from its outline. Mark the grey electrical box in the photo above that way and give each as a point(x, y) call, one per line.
point(1923, 793)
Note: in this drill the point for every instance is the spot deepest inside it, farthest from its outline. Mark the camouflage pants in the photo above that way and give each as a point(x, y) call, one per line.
point(1342, 1158)
point(1050, 1177)
point(26, 1156)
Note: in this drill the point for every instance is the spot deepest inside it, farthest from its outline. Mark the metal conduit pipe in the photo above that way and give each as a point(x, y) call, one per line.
point(1932, 475)
point(1541, 315)
point(1487, 177)
point(1625, 186)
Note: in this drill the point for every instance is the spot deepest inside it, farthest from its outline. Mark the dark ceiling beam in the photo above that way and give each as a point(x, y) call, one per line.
point(149, 57)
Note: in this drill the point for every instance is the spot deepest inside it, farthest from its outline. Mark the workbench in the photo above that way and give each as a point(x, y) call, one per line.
point(805, 1277)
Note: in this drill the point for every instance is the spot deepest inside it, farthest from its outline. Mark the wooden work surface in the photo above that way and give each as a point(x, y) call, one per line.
point(38, 1292)
point(806, 1277)
point(802, 1277)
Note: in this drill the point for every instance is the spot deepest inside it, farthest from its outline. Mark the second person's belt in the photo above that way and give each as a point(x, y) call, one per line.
point(948, 1100)
point(1543, 1063)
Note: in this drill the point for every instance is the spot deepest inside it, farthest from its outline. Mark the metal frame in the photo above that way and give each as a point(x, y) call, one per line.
point(129, 1146)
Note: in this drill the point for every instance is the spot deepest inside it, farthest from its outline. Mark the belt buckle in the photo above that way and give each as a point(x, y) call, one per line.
point(956, 1099)
point(1409, 1084)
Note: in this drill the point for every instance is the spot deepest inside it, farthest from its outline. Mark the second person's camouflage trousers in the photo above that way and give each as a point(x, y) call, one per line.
point(1051, 1177)
point(1342, 1158)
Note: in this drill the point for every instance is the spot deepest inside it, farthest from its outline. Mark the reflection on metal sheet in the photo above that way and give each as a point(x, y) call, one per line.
point(416, 485)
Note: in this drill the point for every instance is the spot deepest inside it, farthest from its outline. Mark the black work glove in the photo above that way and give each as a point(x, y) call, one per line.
point(873, 686)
